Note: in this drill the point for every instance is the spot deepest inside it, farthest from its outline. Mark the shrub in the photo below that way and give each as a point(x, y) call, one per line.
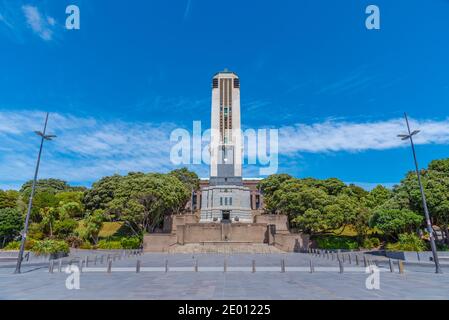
point(130, 243)
point(407, 242)
point(334, 242)
point(29, 244)
point(375, 242)
point(50, 247)
point(64, 228)
point(370, 243)
point(13, 245)
point(86, 245)
point(35, 231)
point(104, 244)
point(74, 241)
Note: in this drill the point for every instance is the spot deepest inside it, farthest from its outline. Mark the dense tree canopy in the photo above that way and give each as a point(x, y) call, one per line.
point(396, 221)
point(61, 211)
point(142, 200)
point(268, 186)
point(436, 187)
point(9, 199)
point(45, 185)
point(313, 206)
point(101, 193)
point(319, 206)
point(11, 223)
point(188, 178)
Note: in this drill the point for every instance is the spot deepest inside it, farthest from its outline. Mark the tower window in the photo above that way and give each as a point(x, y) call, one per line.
point(226, 201)
point(215, 83)
point(236, 83)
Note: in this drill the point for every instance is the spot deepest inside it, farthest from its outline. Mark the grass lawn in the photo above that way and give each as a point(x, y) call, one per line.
point(108, 230)
point(350, 232)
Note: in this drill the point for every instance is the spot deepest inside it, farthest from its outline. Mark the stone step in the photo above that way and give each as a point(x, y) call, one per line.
point(224, 248)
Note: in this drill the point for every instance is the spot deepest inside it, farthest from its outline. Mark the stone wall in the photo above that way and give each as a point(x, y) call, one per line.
point(158, 242)
point(249, 232)
point(279, 220)
point(183, 219)
point(269, 229)
point(216, 232)
point(291, 242)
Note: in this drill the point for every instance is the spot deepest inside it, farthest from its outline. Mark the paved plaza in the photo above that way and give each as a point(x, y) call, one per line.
point(202, 276)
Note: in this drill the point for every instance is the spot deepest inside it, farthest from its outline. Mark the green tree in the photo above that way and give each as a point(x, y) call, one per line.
point(435, 180)
point(44, 185)
point(11, 223)
point(101, 193)
point(361, 223)
point(188, 178)
point(142, 200)
point(49, 216)
point(9, 199)
point(71, 210)
point(41, 202)
point(269, 186)
point(92, 225)
point(333, 186)
point(69, 196)
point(355, 191)
point(378, 197)
point(64, 228)
point(395, 221)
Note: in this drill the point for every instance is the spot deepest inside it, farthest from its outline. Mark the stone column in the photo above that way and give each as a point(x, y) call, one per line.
point(253, 200)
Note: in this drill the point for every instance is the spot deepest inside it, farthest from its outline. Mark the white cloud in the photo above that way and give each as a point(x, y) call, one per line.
point(334, 136)
point(41, 25)
point(5, 21)
point(86, 148)
point(187, 9)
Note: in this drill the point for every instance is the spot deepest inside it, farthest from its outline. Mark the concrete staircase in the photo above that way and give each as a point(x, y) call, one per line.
point(224, 248)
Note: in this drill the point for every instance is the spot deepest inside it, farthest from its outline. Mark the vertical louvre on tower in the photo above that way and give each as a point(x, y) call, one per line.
point(226, 147)
point(226, 97)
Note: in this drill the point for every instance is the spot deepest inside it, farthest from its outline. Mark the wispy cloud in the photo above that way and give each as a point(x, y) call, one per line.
point(5, 21)
point(187, 9)
point(39, 23)
point(87, 148)
point(354, 81)
point(334, 136)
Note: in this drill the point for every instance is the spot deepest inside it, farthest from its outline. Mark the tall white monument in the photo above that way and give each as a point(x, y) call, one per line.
point(226, 199)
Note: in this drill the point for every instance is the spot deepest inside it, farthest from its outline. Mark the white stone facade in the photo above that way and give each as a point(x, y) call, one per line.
point(217, 200)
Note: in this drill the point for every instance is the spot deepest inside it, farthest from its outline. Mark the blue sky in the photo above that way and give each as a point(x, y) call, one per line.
point(136, 70)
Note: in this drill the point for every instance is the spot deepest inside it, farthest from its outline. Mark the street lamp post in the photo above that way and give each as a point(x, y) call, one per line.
point(33, 187)
point(409, 136)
